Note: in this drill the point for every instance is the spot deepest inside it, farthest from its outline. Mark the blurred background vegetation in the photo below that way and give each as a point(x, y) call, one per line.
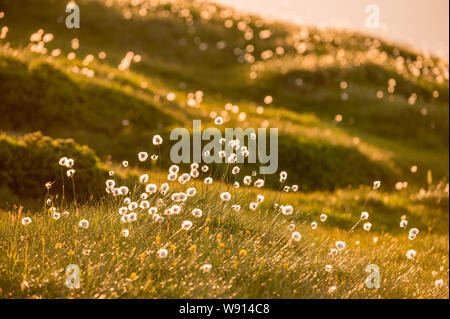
point(350, 109)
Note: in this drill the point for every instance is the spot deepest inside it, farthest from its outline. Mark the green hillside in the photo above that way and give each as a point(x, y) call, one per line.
point(350, 110)
point(184, 50)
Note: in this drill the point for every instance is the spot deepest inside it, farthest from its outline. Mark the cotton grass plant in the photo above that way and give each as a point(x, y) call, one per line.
point(203, 231)
point(195, 236)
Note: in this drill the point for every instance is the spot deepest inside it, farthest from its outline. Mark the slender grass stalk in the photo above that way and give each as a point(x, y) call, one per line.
point(63, 191)
point(74, 195)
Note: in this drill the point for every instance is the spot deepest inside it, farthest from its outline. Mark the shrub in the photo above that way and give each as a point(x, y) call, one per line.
point(27, 163)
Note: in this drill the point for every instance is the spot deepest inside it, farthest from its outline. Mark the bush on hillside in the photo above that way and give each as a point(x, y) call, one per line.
point(317, 165)
point(27, 163)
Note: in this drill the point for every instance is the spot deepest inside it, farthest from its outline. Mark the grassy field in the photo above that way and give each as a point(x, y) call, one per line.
point(251, 253)
point(350, 110)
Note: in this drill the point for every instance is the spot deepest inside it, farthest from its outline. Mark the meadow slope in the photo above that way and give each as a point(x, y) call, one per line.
point(350, 110)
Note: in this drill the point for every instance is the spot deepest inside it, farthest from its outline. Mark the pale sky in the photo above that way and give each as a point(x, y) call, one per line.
point(423, 24)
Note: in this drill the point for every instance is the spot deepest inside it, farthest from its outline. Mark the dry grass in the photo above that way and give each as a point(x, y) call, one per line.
point(251, 253)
